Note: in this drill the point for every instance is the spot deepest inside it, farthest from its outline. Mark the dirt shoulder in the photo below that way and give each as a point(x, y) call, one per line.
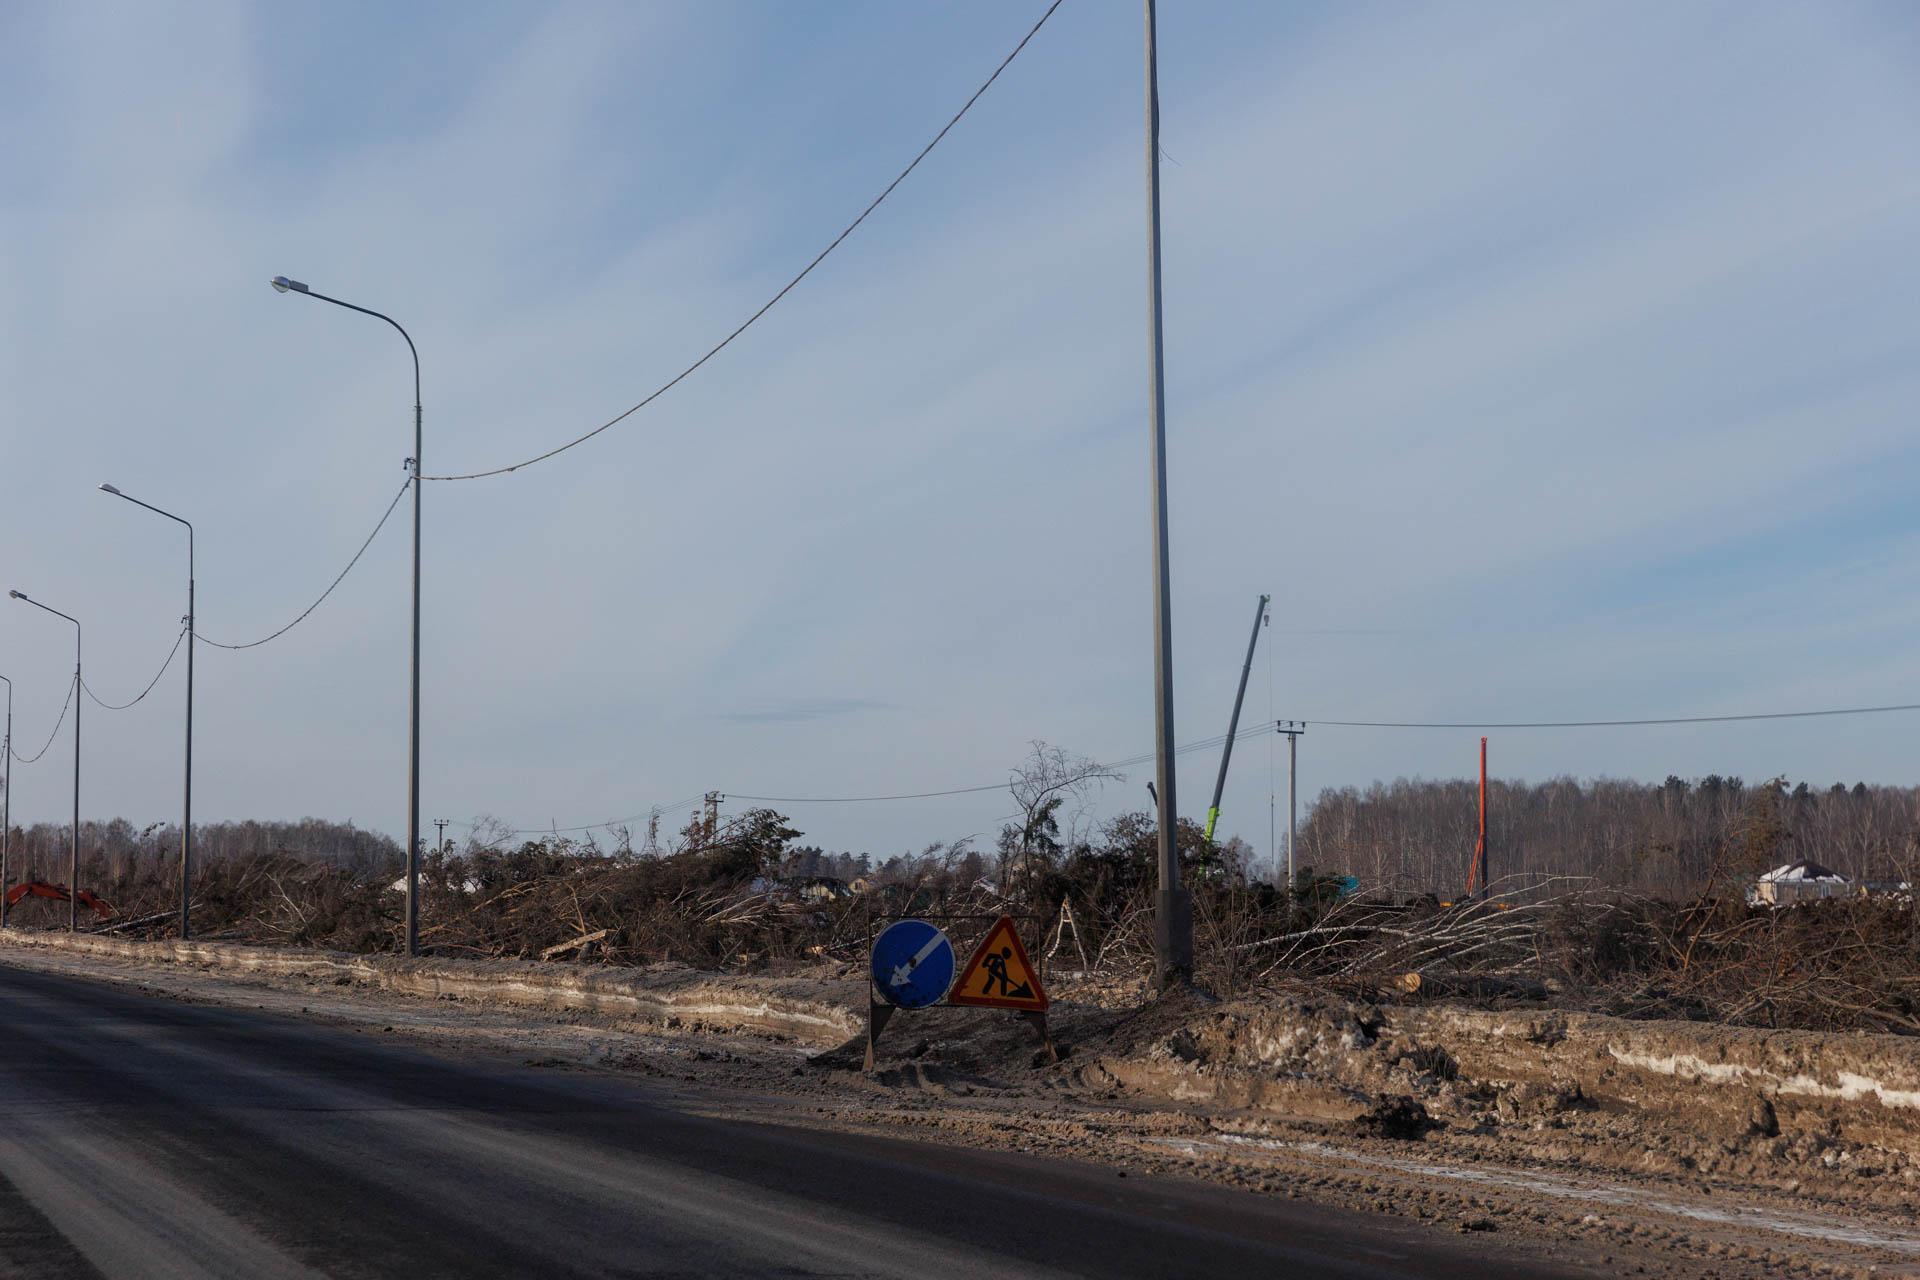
point(1656, 1148)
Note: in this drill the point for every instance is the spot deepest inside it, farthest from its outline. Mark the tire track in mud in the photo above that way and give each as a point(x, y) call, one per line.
point(1746, 1219)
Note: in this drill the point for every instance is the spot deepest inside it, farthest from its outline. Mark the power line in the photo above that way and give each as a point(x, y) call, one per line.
point(916, 795)
point(122, 706)
point(785, 289)
point(662, 810)
point(254, 644)
point(1121, 765)
point(1259, 729)
point(1130, 761)
point(1615, 724)
point(1255, 730)
point(56, 730)
point(611, 822)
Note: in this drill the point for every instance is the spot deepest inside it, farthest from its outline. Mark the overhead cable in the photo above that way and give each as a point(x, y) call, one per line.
point(1202, 745)
point(1255, 730)
point(122, 706)
point(915, 795)
point(56, 730)
point(786, 288)
point(1129, 762)
point(254, 644)
point(662, 810)
point(1615, 724)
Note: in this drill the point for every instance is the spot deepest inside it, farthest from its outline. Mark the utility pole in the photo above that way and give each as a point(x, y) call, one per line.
point(713, 799)
point(440, 827)
point(1477, 873)
point(1293, 729)
point(1173, 914)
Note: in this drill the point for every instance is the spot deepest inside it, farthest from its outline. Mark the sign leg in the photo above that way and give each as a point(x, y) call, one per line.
point(877, 1015)
point(1039, 1021)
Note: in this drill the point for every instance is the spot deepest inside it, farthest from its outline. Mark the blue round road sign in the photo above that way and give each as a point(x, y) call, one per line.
point(912, 964)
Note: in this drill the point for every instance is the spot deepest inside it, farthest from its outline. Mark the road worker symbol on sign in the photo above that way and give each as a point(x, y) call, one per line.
point(1000, 976)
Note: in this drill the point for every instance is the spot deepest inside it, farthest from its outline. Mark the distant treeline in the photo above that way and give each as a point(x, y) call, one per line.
point(1671, 838)
point(1666, 839)
point(117, 847)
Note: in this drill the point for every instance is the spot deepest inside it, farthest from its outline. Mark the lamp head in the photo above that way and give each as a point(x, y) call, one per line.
point(107, 488)
point(16, 595)
point(283, 284)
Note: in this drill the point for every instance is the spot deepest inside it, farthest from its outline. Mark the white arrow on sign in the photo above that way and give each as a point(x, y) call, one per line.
point(903, 973)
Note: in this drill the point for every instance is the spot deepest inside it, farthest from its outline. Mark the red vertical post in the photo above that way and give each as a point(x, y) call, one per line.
point(1477, 874)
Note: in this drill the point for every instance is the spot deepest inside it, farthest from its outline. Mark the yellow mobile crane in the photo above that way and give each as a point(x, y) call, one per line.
point(1233, 724)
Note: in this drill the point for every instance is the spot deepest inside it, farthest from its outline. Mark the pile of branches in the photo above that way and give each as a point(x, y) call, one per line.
point(554, 900)
point(1499, 933)
point(733, 897)
point(1837, 964)
point(268, 897)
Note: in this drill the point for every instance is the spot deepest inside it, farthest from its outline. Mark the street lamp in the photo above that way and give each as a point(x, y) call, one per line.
point(186, 820)
point(73, 855)
point(6, 806)
point(283, 285)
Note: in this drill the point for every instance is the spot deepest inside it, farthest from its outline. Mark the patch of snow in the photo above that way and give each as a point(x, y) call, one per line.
point(1852, 1086)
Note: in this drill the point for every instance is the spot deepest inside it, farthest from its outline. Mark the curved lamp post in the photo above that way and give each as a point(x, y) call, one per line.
point(6, 805)
point(284, 285)
point(186, 820)
point(73, 855)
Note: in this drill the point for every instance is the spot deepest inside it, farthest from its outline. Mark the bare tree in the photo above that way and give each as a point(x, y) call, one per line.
point(1041, 785)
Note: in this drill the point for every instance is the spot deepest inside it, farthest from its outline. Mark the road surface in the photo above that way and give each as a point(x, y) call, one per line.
point(146, 1137)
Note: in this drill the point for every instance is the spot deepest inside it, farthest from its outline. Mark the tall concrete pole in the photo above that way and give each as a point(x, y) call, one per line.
point(1293, 803)
point(1477, 873)
point(1173, 917)
point(1293, 729)
point(1273, 840)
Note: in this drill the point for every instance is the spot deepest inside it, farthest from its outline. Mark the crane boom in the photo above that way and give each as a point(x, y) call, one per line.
point(1233, 724)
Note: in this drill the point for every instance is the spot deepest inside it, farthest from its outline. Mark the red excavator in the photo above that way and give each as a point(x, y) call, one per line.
point(58, 892)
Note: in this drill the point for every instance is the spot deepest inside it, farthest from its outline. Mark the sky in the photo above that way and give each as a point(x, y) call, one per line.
point(1542, 362)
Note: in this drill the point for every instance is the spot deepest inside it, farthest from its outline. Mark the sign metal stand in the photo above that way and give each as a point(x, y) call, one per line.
point(880, 1012)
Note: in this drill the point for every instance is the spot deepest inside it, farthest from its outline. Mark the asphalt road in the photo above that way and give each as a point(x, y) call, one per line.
point(145, 1137)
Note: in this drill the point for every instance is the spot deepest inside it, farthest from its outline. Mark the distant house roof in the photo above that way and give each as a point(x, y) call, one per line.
point(1804, 869)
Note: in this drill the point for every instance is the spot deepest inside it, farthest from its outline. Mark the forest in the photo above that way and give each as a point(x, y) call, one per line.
point(1670, 839)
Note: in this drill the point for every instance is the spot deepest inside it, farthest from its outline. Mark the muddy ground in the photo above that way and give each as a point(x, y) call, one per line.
point(1664, 1149)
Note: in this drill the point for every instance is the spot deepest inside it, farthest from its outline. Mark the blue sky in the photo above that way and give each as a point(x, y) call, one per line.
point(1543, 362)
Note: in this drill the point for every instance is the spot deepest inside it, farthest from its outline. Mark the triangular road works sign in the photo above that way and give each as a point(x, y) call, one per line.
point(1000, 976)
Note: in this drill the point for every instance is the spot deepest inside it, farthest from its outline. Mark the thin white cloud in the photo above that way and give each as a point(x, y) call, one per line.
point(1461, 304)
